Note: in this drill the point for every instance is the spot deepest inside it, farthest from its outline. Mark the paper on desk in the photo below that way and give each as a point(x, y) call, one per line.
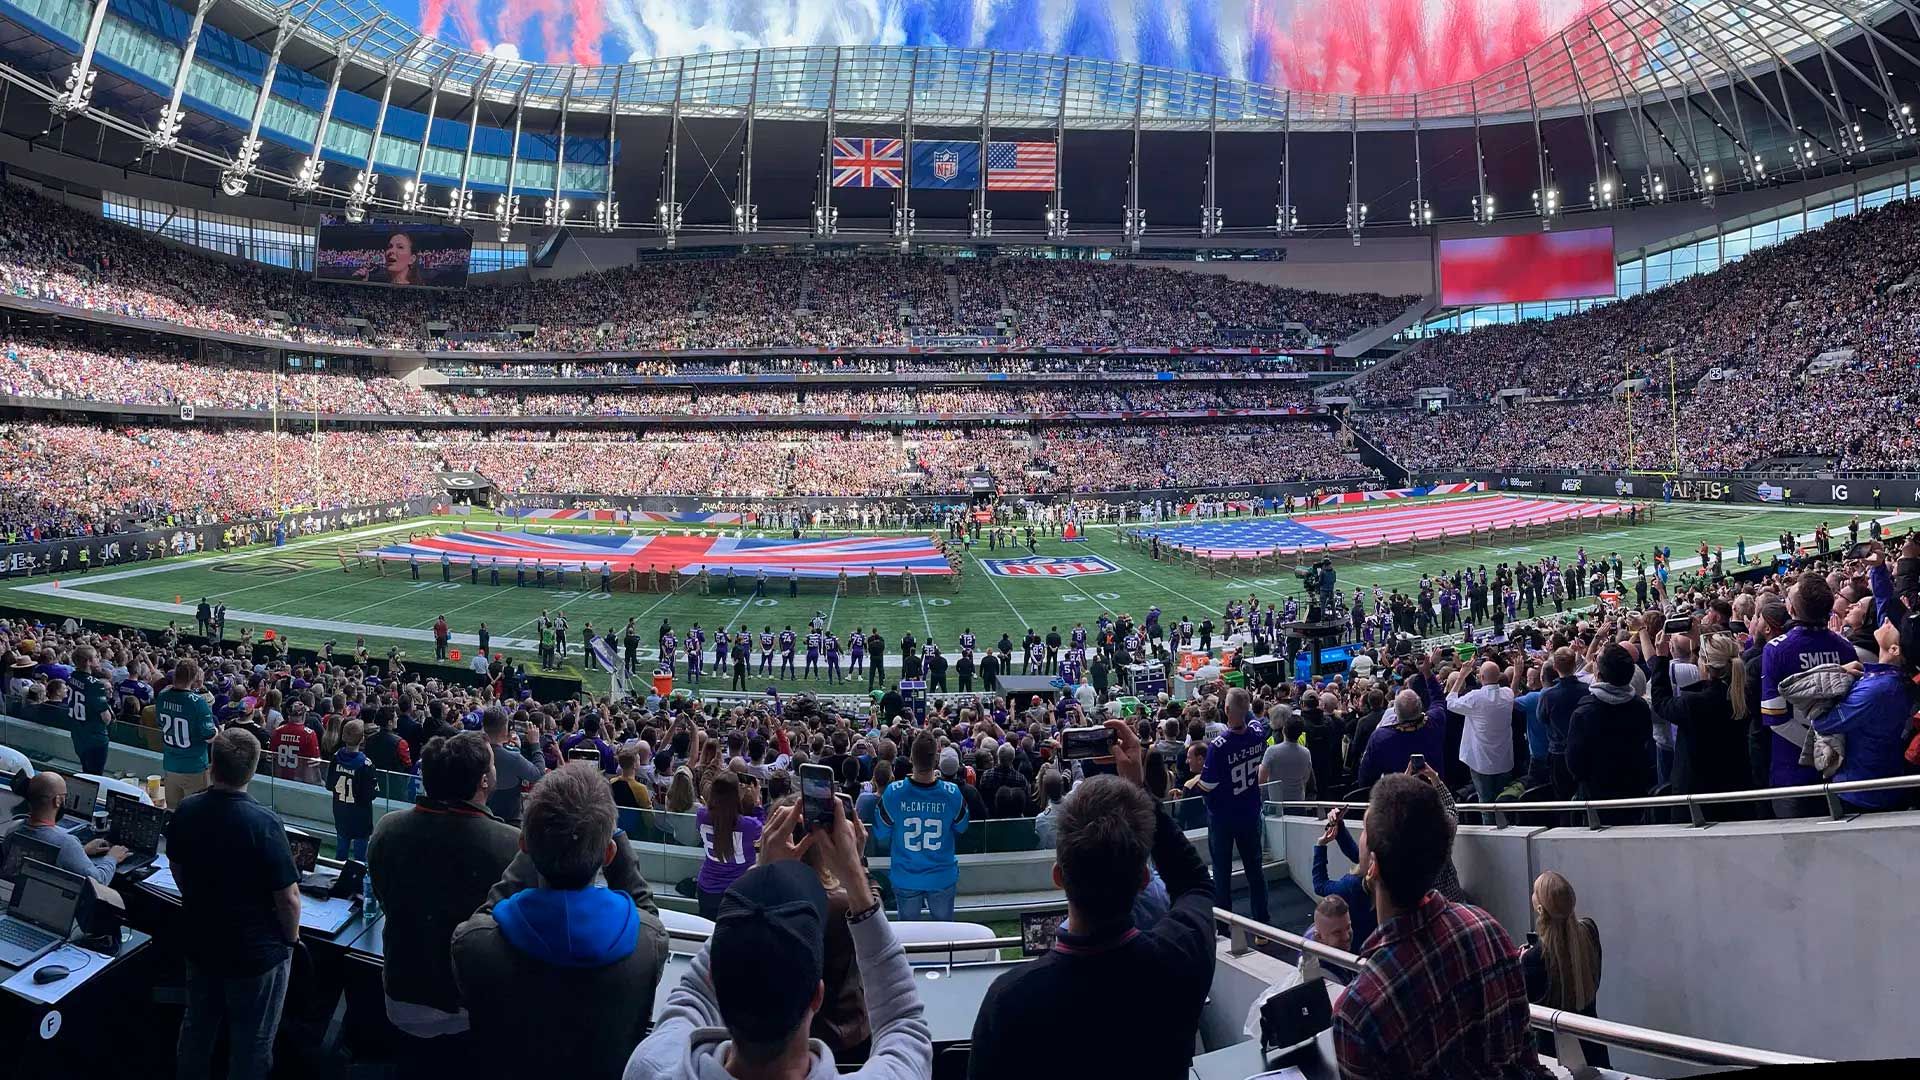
point(324, 916)
point(84, 964)
point(162, 879)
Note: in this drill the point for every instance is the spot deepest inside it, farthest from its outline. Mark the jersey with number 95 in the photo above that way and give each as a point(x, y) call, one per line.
point(1232, 772)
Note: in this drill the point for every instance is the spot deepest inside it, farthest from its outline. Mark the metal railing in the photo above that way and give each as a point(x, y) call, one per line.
point(1240, 928)
point(1684, 1048)
point(1694, 803)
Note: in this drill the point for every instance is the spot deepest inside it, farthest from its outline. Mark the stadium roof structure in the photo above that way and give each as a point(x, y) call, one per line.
point(1632, 101)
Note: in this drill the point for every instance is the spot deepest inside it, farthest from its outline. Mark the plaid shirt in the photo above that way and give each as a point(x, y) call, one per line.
point(1442, 996)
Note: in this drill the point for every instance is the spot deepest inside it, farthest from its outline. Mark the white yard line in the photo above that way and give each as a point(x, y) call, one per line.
point(266, 619)
point(988, 574)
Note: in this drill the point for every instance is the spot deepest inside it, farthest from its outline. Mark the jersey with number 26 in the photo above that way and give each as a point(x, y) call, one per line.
point(918, 822)
point(1233, 767)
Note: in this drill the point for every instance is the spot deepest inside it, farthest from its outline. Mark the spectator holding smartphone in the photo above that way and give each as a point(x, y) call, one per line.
point(1110, 831)
point(751, 997)
point(1562, 960)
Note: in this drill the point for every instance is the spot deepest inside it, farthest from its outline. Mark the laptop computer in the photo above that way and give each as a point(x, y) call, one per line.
point(135, 826)
point(40, 915)
point(76, 813)
point(18, 848)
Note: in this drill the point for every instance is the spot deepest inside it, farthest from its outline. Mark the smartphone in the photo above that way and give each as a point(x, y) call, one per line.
point(1678, 624)
point(1533, 940)
point(1080, 744)
point(816, 796)
point(1416, 762)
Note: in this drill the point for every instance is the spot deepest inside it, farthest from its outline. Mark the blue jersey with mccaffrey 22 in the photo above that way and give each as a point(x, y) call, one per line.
point(1233, 770)
point(918, 822)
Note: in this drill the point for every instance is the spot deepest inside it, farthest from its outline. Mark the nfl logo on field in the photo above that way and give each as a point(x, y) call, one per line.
point(1050, 567)
point(946, 165)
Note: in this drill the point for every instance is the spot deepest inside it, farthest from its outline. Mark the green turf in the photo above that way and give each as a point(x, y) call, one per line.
point(264, 586)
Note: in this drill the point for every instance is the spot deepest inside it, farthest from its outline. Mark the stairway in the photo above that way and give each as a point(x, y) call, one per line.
point(953, 298)
point(1370, 453)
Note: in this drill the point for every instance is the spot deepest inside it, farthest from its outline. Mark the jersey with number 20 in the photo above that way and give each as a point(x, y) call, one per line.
point(1233, 767)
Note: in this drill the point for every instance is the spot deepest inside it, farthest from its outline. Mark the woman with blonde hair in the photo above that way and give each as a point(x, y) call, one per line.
point(1706, 703)
point(1562, 959)
point(680, 823)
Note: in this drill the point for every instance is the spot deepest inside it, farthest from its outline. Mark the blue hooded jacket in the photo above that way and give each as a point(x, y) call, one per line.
point(1873, 716)
point(575, 928)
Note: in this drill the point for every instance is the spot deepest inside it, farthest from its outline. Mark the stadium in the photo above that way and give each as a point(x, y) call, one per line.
point(1277, 519)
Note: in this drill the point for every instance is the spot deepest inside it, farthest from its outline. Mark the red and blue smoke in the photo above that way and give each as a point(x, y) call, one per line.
point(1364, 46)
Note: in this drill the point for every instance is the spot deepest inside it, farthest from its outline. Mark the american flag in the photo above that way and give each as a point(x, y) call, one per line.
point(1020, 166)
point(868, 162)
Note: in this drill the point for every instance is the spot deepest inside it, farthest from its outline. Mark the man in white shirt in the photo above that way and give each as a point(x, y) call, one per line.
point(1486, 743)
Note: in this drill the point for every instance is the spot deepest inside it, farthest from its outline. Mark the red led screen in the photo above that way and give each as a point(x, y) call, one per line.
point(1526, 266)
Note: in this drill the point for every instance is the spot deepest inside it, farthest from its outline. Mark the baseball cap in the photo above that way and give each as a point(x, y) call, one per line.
point(769, 949)
point(949, 762)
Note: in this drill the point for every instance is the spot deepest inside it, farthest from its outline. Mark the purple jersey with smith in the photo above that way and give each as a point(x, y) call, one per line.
point(1793, 652)
point(1232, 772)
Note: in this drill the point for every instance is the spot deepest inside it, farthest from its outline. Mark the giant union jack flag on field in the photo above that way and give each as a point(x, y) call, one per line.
point(868, 162)
point(746, 556)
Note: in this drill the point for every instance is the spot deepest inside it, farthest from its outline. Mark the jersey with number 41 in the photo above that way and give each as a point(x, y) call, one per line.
point(1233, 768)
point(353, 782)
point(918, 822)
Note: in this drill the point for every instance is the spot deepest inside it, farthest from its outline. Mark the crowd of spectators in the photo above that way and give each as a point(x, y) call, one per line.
point(59, 479)
point(1720, 339)
point(914, 363)
point(52, 252)
point(47, 370)
point(874, 400)
point(511, 828)
point(1851, 418)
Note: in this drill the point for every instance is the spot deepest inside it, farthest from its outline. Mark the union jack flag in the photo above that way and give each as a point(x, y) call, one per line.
point(746, 556)
point(868, 162)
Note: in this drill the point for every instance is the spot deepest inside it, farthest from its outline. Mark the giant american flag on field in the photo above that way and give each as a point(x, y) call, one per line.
point(686, 554)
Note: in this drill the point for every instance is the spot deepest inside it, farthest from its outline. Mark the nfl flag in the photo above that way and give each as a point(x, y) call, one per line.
point(1020, 166)
point(868, 163)
point(946, 164)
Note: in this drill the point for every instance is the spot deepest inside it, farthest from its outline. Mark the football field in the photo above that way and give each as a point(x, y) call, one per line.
point(304, 593)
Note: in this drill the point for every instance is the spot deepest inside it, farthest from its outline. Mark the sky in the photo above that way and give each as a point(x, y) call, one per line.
point(1361, 46)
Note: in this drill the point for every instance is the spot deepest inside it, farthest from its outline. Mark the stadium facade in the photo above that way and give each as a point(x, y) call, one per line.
point(1629, 105)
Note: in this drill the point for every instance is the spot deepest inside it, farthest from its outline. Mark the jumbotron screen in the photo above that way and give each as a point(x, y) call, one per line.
point(1526, 266)
point(401, 253)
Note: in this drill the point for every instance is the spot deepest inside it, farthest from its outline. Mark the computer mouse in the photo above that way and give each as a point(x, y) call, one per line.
point(50, 973)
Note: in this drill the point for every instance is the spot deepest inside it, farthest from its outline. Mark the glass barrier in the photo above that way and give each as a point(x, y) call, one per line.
point(398, 790)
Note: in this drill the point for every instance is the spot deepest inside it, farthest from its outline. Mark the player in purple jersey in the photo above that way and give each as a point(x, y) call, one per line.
point(1231, 780)
point(1078, 636)
point(1070, 668)
point(693, 660)
point(766, 650)
point(669, 650)
point(813, 654)
point(787, 638)
point(833, 656)
point(856, 653)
